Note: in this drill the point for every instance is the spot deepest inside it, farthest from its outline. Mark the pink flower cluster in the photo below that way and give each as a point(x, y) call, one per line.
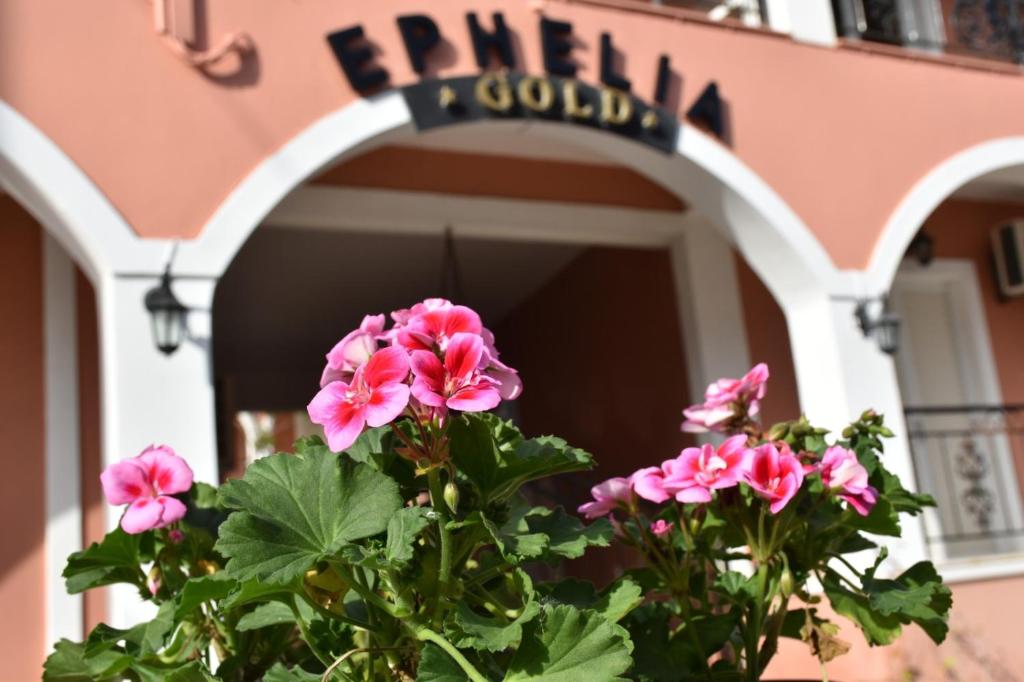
point(145, 483)
point(437, 356)
point(771, 470)
point(728, 403)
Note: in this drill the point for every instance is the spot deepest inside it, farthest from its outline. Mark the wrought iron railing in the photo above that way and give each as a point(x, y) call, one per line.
point(988, 29)
point(968, 457)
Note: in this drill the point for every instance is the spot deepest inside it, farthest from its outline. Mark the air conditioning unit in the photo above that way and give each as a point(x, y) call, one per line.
point(1008, 248)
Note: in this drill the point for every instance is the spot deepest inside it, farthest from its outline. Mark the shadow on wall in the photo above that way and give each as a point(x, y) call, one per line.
point(22, 486)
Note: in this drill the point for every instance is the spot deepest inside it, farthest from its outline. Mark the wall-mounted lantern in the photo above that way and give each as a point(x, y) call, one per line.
point(167, 315)
point(884, 325)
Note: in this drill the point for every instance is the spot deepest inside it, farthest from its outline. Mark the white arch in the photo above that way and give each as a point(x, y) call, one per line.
point(775, 241)
point(36, 172)
point(926, 195)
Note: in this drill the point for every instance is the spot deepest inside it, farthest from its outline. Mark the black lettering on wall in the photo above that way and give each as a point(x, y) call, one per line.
point(355, 58)
point(484, 43)
point(661, 84)
point(556, 46)
point(708, 109)
point(420, 35)
point(608, 75)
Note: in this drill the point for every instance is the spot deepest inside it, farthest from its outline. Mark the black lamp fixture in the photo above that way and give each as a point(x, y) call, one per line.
point(922, 248)
point(167, 315)
point(884, 326)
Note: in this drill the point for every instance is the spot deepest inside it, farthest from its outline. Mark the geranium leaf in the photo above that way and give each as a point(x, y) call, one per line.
point(297, 509)
point(265, 615)
point(203, 589)
point(614, 602)
point(498, 460)
point(567, 645)
point(114, 560)
point(494, 633)
point(403, 528)
point(69, 663)
point(916, 596)
point(567, 537)
point(436, 666)
point(878, 628)
point(279, 673)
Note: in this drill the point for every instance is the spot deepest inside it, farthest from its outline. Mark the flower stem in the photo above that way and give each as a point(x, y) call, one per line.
point(755, 623)
point(437, 500)
point(428, 635)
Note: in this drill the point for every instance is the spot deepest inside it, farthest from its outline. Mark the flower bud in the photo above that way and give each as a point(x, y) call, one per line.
point(175, 536)
point(154, 580)
point(777, 432)
point(451, 496)
point(786, 583)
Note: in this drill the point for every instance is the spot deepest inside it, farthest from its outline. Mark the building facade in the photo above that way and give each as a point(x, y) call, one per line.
point(716, 183)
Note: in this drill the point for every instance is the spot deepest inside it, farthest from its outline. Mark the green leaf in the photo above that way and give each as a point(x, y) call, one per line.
point(403, 528)
point(494, 633)
point(496, 458)
point(737, 587)
point(567, 537)
point(657, 657)
point(187, 672)
point(254, 590)
point(916, 596)
point(154, 635)
point(298, 509)
point(436, 666)
point(203, 589)
point(114, 560)
point(569, 645)
point(614, 602)
point(279, 673)
point(265, 615)
point(878, 628)
point(69, 663)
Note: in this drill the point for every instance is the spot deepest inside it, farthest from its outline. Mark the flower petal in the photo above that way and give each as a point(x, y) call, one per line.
point(428, 370)
point(423, 391)
point(386, 403)
point(463, 355)
point(124, 482)
point(387, 366)
point(478, 398)
point(168, 473)
point(459, 318)
point(142, 515)
point(173, 510)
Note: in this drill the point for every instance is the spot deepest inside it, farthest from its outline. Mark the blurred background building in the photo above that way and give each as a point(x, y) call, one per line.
point(683, 189)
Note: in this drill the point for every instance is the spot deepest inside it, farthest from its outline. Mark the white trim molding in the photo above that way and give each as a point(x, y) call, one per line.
point(926, 195)
point(63, 471)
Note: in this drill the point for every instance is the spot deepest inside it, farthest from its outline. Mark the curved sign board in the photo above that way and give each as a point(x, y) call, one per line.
point(500, 95)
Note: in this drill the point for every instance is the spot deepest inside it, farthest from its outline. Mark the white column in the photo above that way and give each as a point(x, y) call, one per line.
point(63, 499)
point(840, 373)
point(710, 305)
point(152, 398)
point(809, 21)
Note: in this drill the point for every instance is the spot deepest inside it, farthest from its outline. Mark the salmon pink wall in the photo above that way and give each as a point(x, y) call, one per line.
point(768, 340)
point(22, 485)
point(167, 143)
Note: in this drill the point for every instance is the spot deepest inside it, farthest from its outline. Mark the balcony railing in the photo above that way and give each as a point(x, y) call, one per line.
point(987, 29)
point(968, 457)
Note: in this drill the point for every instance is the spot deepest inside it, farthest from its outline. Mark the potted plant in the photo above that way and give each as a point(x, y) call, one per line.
point(401, 548)
point(742, 540)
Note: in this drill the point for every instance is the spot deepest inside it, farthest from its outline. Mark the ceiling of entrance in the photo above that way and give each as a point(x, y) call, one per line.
point(291, 294)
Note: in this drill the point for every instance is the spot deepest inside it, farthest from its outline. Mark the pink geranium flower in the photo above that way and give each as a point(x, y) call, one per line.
point(353, 351)
point(145, 483)
point(842, 473)
point(728, 400)
point(692, 475)
point(608, 496)
point(775, 476)
point(433, 326)
point(376, 396)
point(510, 386)
point(458, 383)
point(660, 528)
